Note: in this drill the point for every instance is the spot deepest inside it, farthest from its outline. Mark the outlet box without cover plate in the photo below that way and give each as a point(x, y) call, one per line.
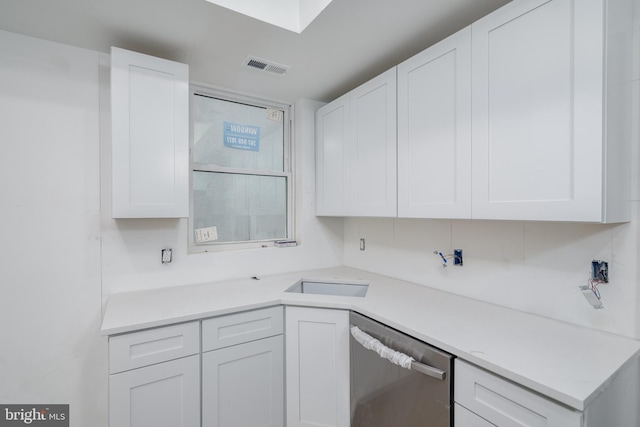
point(457, 257)
point(600, 271)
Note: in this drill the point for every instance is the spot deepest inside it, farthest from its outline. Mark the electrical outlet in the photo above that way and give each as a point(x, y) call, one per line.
point(362, 244)
point(600, 271)
point(166, 256)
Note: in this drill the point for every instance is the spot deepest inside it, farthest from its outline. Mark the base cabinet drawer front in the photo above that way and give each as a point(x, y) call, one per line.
point(243, 385)
point(225, 331)
point(506, 404)
point(162, 395)
point(138, 349)
point(465, 418)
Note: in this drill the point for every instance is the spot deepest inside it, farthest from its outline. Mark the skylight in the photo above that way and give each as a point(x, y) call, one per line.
point(292, 15)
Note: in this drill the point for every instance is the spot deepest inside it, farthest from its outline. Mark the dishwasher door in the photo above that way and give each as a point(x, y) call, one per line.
point(387, 395)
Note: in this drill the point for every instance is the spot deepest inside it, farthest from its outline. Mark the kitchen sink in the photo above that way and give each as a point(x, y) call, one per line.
point(330, 287)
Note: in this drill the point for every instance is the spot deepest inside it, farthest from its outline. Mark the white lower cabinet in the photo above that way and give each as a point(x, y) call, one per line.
point(317, 369)
point(162, 395)
point(465, 418)
point(155, 378)
point(243, 369)
point(496, 401)
point(243, 385)
point(234, 375)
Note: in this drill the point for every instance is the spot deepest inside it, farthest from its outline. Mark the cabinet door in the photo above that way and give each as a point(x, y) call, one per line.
point(243, 385)
point(162, 395)
point(373, 147)
point(150, 136)
point(538, 110)
point(332, 171)
point(465, 418)
point(317, 370)
point(434, 131)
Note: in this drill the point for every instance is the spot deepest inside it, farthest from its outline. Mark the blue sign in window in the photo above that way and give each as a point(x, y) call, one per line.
point(241, 137)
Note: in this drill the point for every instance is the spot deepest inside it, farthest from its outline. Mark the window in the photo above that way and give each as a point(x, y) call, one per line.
point(240, 171)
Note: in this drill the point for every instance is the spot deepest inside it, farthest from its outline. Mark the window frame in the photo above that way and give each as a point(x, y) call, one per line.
point(287, 173)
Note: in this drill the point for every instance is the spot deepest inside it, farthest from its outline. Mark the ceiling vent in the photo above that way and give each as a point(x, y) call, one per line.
point(266, 66)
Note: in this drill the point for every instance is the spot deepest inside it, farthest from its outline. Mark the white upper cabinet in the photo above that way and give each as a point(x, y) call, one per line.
point(332, 172)
point(526, 115)
point(373, 143)
point(551, 98)
point(356, 151)
point(434, 131)
point(150, 136)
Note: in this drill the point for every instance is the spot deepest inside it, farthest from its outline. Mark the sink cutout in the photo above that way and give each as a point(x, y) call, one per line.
point(330, 287)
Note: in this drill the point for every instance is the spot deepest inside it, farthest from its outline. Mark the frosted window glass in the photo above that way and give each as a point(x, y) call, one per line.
point(209, 116)
point(241, 207)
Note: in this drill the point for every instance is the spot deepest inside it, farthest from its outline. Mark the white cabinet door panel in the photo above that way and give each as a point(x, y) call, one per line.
point(317, 371)
point(539, 145)
point(356, 151)
point(150, 136)
point(162, 395)
point(243, 385)
point(434, 131)
point(373, 147)
point(332, 157)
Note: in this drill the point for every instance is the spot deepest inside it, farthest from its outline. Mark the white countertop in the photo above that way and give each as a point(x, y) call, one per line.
point(568, 363)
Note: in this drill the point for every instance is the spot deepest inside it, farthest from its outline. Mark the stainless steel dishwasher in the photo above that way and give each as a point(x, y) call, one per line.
point(384, 394)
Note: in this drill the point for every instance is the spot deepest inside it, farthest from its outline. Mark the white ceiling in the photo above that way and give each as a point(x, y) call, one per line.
point(294, 15)
point(349, 43)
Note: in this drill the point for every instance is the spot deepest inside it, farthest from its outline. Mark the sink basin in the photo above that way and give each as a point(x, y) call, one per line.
point(330, 287)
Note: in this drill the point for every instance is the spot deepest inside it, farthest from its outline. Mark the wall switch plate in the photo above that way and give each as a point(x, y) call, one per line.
point(166, 256)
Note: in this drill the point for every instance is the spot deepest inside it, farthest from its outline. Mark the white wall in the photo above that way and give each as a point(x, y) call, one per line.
point(52, 350)
point(529, 266)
